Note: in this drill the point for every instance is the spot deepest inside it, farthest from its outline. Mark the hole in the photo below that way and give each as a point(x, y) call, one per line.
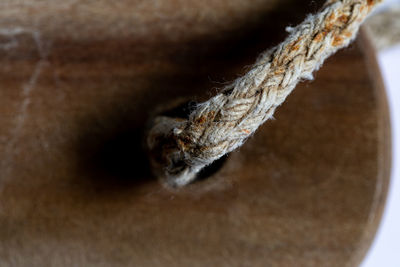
point(181, 111)
point(211, 169)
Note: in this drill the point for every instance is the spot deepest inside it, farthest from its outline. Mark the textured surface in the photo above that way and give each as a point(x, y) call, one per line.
point(181, 148)
point(78, 81)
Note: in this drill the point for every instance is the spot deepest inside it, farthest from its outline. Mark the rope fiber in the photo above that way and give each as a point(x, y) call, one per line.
point(180, 148)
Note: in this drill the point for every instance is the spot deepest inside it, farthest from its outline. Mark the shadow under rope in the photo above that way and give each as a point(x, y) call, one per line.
point(110, 151)
point(115, 161)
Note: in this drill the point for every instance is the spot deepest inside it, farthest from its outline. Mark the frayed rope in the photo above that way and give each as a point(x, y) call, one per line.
point(180, 148)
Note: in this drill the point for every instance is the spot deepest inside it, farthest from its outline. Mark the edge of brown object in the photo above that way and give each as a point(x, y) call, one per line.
point(384, 149)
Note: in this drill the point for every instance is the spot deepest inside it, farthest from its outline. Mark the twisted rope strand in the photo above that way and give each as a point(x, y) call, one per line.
point(181, 148)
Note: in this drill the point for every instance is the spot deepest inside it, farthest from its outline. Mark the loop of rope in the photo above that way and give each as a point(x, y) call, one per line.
point(181, 148)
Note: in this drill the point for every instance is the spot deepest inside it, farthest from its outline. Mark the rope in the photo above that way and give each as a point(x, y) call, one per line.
point(180, 148)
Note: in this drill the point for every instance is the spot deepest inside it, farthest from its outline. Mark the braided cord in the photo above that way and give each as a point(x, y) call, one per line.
point(224, 122)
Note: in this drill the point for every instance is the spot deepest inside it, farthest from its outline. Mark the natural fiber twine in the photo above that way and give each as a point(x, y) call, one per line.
point(180, 148)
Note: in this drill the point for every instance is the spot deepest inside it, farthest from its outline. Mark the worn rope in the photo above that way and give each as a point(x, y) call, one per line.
point(180, 148)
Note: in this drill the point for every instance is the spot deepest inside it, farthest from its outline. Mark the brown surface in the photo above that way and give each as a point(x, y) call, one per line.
point(78, 81)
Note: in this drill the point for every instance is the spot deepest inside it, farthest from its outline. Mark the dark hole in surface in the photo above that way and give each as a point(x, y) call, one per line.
point(211, 169)
point(183, 111)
